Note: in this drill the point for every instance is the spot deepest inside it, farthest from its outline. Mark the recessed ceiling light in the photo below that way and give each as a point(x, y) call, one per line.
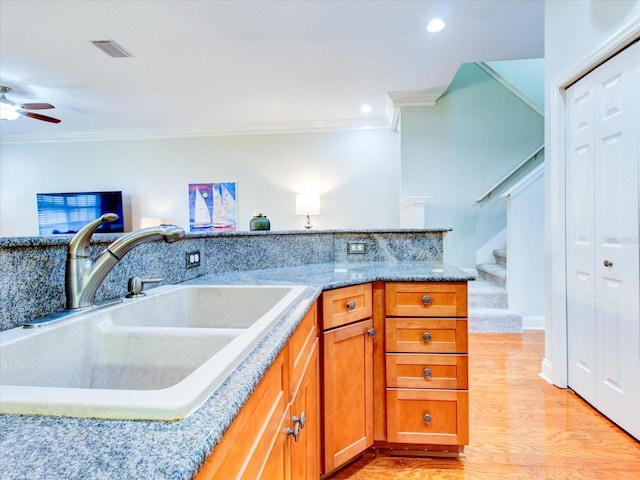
point(365, 108)
point(436, 25)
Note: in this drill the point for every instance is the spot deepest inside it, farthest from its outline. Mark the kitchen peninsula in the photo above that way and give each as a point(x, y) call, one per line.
point(55, 447)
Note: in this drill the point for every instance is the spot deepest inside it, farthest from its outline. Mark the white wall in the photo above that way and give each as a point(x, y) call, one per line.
point(578, 35)
point(455, 151)
point(525, 241)
point(357, 174)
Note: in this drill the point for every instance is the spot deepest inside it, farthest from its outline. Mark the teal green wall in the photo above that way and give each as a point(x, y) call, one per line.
point(526, 75)
point(455, 151)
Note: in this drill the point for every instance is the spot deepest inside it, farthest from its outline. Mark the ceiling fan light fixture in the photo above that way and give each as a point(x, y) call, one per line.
point(111, 48)
point(8, 111)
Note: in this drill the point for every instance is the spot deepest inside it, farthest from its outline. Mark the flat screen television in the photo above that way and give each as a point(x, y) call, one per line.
point(60, 213)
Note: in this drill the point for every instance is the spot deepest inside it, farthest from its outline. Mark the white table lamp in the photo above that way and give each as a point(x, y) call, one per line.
point(307, 204)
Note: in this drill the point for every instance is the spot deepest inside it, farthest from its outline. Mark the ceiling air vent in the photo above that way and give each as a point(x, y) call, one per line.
point(111, 48)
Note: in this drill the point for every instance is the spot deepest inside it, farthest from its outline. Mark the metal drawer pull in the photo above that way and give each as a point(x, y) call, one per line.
point(295, 432)
point(351, 305)
point(301, 420)
point(372, 332)
point(426, 300)
point(427, 418)
point(426, 336)
point(608, 264)
point(427, 373)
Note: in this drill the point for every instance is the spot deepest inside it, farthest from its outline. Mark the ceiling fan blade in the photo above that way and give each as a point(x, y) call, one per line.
point(37, 106)
point(44, 118)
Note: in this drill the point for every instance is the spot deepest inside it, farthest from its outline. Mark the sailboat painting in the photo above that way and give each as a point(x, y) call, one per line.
point(212, 207)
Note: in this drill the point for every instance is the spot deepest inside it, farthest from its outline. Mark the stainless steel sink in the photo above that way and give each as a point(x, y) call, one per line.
point(157, 357)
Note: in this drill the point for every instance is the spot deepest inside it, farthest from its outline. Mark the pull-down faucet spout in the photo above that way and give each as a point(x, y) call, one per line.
point(84, 276)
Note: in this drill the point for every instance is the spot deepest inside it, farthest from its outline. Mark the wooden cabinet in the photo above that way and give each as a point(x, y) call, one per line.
point(427, 363)
point(347, 374)
point(408, 386)
point(276, 435)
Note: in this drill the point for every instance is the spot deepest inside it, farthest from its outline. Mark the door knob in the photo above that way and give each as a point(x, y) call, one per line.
point(372, 332)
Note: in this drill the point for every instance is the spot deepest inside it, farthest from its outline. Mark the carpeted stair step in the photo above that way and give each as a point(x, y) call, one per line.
point(501, 256)
point(482, 293)
point(494, 320)
point(493, 272)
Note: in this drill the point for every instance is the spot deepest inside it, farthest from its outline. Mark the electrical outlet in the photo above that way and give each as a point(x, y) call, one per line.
point(356, 247)
point(193, 259)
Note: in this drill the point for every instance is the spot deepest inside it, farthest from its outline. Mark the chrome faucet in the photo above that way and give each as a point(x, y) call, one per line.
point(84, 276)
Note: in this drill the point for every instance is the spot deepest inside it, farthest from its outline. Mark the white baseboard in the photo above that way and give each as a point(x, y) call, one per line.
point(546, 371)
point(533, 322)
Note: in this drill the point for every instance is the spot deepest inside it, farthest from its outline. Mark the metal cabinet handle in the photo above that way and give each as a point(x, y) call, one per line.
point(301, 420)
point(426, 336)
point(426, 300)
point(351, 305)
point(608, 264)
point(427, 373)
point(427, 418)
point(294, 432)
point(372, 332)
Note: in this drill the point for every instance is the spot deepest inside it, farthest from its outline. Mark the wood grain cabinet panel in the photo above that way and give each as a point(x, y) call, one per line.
point(301, 344)
point(245, 446)
point(346, 305)
point(427, 371)
point(420, 335)
point(427, 363)
point(446, 299)
point(438, 417)
point(260, 443)
point(348, 393)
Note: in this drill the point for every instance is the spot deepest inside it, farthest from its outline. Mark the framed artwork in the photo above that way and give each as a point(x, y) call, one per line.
point(212, 207)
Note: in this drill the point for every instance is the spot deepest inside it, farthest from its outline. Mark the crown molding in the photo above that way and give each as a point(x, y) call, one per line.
point(229, 130)
point(394, 101)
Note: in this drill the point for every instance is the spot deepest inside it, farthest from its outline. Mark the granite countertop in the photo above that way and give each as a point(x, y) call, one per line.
point(63, 448)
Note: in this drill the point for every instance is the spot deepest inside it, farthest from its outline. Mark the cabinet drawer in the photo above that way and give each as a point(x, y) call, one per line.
point(426, 299)
point(418, 335)
point(301, 345)
point(427, 371)
point(346, 305)
point(428, 416)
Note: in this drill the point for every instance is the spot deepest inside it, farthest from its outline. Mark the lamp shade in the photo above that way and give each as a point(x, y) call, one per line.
point(307, 204)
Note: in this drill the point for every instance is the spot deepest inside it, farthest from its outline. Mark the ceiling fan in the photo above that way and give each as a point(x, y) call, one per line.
point(11, 111)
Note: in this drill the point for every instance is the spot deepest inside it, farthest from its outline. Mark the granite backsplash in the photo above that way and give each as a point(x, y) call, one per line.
point(32, 269)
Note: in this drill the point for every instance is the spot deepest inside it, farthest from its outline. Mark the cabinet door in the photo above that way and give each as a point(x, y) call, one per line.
point(277, 465)
point(348, 393)
point(305, 412)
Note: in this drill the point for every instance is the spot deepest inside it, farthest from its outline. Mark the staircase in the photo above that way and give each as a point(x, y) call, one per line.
point(488, 306)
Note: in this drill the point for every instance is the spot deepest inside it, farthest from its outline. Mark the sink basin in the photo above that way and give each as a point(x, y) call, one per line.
point(157, 357)
point(201, 307)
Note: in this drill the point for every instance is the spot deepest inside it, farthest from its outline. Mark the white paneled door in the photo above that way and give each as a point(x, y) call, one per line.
point(603, 262)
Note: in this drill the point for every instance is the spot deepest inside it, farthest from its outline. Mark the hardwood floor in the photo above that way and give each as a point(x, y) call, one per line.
point(521, 427)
